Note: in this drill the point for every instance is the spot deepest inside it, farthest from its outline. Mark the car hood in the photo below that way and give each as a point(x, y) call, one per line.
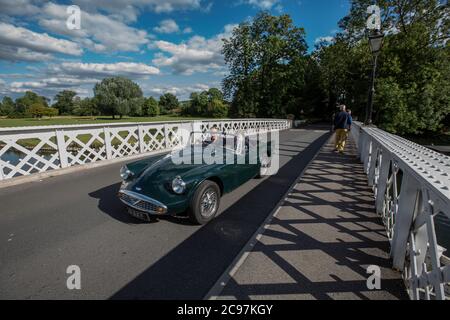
point(165, 170)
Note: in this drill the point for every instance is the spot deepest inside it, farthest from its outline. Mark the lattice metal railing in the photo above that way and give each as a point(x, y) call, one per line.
point(24, 151)
point(412, 193)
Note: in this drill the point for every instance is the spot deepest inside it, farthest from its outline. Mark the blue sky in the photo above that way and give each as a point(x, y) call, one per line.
point(164, 45)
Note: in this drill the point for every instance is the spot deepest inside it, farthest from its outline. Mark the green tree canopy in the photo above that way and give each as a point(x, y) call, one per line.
point(7, 106)
point(64, 102)
point(117, 96)
point(39, 110)
point(208, 104)
point(413, 78)
point(266, 59)
point(27, 100)
point(85, 107)
point(168, 103)
point(151, 107)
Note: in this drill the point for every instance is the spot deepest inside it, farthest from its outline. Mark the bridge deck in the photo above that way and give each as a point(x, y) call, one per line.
point(321, 241)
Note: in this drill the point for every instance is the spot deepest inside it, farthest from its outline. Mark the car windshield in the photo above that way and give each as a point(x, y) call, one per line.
point(228, 141)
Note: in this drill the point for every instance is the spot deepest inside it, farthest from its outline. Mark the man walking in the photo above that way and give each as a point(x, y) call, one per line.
point(341, 126)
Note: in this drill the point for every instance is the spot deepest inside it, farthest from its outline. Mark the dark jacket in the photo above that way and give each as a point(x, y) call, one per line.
point(349, 122)
point(341, 120)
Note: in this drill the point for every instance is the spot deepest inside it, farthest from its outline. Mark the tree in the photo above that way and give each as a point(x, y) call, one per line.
point(27, 100)
point(266, 59)
point(85, 107)
point(168, 103)
point(65, 102)
point(7, 107)
point(50, 112)
point(38, 110)
point(413, 78)
point(217, 109)
point(117, 96)
point(151, 107)
point(208, 104)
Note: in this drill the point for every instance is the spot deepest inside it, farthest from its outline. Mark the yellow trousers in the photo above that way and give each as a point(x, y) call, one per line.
point(341, 139)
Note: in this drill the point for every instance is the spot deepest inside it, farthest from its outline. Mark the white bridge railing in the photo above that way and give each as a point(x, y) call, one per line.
point(412, 192)
point(29, 150)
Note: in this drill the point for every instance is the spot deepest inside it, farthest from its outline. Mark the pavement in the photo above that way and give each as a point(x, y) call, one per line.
point(320, 242)
point(76, 219)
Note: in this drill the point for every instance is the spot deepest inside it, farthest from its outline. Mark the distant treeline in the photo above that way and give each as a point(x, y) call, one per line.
point(116, 97)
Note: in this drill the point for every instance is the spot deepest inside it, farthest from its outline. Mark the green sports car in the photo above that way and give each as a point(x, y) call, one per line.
point(161, 186)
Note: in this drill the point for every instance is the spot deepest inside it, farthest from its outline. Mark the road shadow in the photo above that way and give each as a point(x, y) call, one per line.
point(192, 268)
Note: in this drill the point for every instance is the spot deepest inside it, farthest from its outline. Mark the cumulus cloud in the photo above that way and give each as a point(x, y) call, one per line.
point(198, 54)
point(18, 7)
point(49, 87)
point(324, 40)
point(181, 92)
point(128, 69)
point(129, 9)
point(187, 30)
point(79, 77)
point(98, 32)
point(22, 54)
point(263, 4)
point(19, 37)
point(167, 26)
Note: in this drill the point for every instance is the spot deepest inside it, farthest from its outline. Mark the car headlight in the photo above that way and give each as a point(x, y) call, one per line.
point(178, 185)
point(125, 173)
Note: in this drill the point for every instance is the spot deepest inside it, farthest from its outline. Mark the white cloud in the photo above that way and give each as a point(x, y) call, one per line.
point(167, 26)
point(128, 69)
point(326, 40)
point(129, 9)
point(18, 7)
point(49, 87)
point(39, 42)
point(187, 30)
point(198, 54)
point(181, 92)
point(263, 4)
point(15, 54)
point(98, 32)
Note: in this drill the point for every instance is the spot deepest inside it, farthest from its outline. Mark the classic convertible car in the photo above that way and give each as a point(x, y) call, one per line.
point(158, 186)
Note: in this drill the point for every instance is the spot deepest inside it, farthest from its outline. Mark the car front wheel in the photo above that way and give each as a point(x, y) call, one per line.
point(205, 203)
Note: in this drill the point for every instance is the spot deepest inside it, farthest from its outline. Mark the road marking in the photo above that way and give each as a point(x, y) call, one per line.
point(219, 286)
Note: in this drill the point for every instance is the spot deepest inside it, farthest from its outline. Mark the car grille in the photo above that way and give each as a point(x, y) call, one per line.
point(137, 202)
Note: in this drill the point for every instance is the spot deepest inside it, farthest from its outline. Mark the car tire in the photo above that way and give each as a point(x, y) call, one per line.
point(205, 203)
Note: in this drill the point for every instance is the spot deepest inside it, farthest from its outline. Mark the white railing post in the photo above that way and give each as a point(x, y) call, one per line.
point(108, 143)
point(166, 136)
point(62, 149)
point(2, 174)
point(141, 139)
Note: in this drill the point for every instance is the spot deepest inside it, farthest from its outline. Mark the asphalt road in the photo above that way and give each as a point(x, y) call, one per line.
point(76, 219)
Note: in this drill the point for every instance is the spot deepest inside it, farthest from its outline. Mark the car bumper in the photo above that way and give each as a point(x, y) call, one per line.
point(142, 203)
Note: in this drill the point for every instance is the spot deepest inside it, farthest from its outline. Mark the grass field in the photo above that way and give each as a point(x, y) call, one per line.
point(27, 122)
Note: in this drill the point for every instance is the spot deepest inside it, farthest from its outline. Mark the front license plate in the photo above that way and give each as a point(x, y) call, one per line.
point(138, 214)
